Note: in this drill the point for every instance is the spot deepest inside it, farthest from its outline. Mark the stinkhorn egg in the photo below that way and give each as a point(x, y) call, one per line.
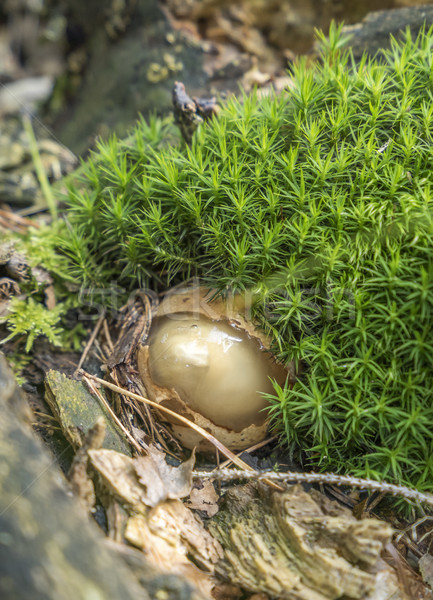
point(215, 368)
point(211, 366)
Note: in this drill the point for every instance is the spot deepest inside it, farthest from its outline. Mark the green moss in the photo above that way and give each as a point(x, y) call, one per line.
point(28, 317)
point(31, 319)
point(320, 203)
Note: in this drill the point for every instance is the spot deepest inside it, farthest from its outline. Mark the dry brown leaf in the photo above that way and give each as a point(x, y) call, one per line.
point(145, 481)
point(119, 476)
point(204, 498)
point(161, 480)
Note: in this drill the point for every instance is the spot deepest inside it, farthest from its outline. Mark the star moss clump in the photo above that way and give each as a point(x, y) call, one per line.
point(319, 203)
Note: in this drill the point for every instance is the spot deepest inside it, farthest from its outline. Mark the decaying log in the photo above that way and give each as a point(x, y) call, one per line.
point(293, 547)
point(49, 549)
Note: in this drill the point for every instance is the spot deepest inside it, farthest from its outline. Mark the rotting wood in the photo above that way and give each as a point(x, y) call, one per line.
point(49, 550)
point(48, 547)
point(301, 546)
point(141, 497)
point(77, 410)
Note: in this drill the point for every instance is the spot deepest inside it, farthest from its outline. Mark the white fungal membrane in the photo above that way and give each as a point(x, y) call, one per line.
point(217, 369)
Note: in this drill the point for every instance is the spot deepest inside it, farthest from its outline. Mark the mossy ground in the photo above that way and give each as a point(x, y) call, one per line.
point(318, 204)
point(27, 316)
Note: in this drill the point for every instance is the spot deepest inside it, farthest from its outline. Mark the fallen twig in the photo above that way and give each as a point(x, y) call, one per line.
point(88, 379)
point(213, 440)
point(330, 478)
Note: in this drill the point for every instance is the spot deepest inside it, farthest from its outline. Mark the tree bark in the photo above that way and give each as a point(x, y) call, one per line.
point(49, 549)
